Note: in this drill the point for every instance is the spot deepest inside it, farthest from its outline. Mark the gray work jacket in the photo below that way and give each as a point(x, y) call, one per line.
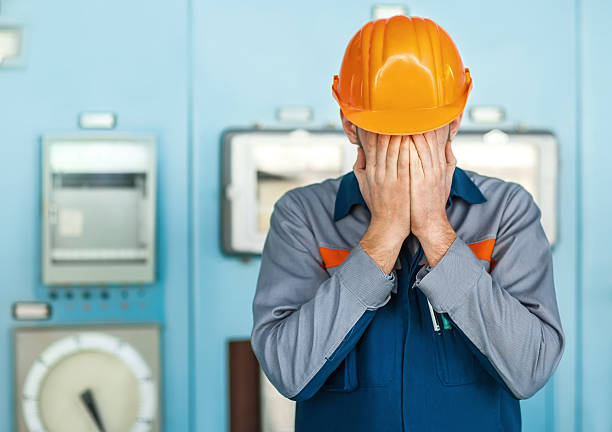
point(318, 290)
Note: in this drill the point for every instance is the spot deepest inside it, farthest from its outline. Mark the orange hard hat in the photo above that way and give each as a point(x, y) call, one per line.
point(402, 76)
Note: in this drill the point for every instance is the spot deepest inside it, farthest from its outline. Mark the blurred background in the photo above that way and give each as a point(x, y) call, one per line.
point(123, 241)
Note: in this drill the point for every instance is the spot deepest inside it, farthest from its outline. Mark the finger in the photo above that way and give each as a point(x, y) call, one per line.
point(423, 151)
point(435, 148)
point(403, 159)
point(440, 134)
point(382, 143)
point(441, 138)
point(369, 146)
point(416, 165)
point(392, 155)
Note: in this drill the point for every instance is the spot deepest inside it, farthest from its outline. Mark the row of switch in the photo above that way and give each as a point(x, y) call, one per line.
point(56, 294)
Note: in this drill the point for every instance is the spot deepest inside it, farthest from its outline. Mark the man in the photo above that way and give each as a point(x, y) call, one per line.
point(408, 294)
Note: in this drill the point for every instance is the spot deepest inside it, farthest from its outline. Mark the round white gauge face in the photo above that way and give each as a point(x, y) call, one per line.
point(89, 382)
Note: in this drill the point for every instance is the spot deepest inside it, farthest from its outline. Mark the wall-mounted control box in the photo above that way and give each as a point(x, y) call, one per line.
point(98, 209)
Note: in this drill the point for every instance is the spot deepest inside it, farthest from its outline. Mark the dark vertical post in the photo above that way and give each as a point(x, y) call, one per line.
point(243, 388)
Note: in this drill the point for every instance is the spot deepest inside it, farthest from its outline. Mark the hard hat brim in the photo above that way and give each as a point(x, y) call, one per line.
point(408, 122)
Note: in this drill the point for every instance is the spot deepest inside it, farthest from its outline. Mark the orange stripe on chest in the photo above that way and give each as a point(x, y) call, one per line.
point(333, 257)
point(483, 249)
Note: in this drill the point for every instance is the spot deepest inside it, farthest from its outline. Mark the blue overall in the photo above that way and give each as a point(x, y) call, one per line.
point(408, 377)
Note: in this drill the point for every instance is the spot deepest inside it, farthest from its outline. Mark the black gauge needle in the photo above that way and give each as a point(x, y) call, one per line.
point(90, 403)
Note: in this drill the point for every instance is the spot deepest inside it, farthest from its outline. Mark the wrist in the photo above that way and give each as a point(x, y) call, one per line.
point(431, 228)
point(389, 231)
point(436, 242)
point(382, 246)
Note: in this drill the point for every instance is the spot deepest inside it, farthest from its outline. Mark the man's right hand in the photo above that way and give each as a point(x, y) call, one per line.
point(383, 173)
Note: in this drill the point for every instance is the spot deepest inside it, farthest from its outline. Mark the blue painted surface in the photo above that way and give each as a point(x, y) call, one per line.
point(185, 71)
point(596, 279)
point(129, 58)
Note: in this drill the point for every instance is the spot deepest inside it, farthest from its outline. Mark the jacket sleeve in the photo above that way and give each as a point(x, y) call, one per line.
point(305, 321)
point(510, 314)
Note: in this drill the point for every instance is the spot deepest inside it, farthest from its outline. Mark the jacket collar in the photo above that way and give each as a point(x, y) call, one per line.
point(349, 194)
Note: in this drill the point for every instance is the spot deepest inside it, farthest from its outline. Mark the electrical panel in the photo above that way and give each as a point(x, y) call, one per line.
point(98, 209)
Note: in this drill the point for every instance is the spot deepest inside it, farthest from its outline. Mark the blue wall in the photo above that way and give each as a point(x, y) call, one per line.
point(185, 70)
point(596, 207)
point(130, 58)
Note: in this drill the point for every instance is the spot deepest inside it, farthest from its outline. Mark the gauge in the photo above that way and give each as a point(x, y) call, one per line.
point(89, 382)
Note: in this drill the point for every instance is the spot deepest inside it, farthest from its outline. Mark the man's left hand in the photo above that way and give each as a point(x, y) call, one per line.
point(432, 164)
